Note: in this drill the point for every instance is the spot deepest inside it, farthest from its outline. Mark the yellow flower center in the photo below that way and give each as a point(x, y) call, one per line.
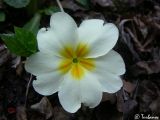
point(75, 61)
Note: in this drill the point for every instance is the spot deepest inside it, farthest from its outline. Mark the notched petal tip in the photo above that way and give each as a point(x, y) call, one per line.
point(47, 84)
point(67, 105)
point(101, 41)
point(92, 23)
point(73, 110)
point(69, 94)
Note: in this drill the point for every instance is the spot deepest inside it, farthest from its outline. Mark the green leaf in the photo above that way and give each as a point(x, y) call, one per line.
point(84, 3)
point(51, 10)
point(32, 7)
point(22, 43)
point(33, 24)
point(17, 3)
point(2, 16)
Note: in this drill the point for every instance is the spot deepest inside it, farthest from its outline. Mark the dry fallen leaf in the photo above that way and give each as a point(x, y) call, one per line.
point(146, 67)
point(120, 101)
point(4, 55)
point(104, 3)
point(128, 86)
point(3, 117)
point(21, 113)
point(16, 61)
point(44, 107)
point(125, 103)
point(106, 111)
point(60, 114)
point(148, 95)
point(109, 97)
point(70, 4)
point(155, 106)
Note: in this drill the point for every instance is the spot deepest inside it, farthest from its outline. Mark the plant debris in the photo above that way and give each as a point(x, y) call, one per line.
point(139, 27)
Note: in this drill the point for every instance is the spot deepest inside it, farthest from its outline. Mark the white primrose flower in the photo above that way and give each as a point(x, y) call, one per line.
point(76, 62)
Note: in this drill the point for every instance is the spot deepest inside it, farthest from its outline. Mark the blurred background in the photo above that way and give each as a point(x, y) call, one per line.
point(139, 45)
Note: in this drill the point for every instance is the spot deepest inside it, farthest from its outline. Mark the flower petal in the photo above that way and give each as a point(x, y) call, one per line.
point(69, 94)
point(91, 91)
point(40, 63)
point(90, 30)
point(48, 42)
point(112, 62)
point(100, 39)
point(110, 82)
point(105, 42)
point(48, 83)
point(64, 27)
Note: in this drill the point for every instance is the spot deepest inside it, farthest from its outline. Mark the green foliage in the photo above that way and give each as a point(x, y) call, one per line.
point(51, 10)
point(2, 16)
point(33, 24)
point(22, 43)
point(32, 7)
point(17, 3)
point(84, 3)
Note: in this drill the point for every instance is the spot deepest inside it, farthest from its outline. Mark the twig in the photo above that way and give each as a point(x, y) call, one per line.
point(134, 38)
point(148, 41)
point(60, 5)
point(27, 89)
